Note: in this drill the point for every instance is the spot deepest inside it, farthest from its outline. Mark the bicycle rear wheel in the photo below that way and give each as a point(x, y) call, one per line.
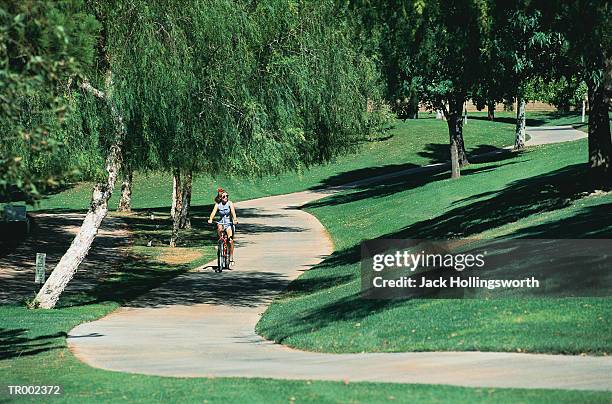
point(226, 250)
point(220, 256)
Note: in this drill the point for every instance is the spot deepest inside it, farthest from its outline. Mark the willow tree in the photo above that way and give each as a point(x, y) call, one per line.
point(388, 31)
point(219, 86)
point(248, 91)
point(98, 86)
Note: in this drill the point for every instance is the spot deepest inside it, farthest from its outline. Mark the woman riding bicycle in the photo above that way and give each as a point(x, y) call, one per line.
point(228, 218)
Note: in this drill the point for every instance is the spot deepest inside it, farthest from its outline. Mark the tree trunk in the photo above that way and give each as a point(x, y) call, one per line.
point(181, 214)
point(600, 145)
point(50, 293)
point(519, 138)
point(176, 192)
point(125, 202)
point(413, 106)
point(184, 221)
point(491, 111)
point(455, 131)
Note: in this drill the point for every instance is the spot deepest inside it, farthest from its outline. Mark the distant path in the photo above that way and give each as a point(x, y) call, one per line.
point(201, 324)
point(553, 134)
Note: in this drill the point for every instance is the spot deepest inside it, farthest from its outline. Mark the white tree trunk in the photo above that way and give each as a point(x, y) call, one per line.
point(176, 193)
point(50, 293)
point(438, 114)
point(519, 138)
point(125, 202)
point(583, 110)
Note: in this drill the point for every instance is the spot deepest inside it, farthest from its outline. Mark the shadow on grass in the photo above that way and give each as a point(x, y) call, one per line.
point(472, 216)
point(487, 210)
point(15, 343)
point(52, 234)
point(362, 173)
point(589, 222)
point(439, 153)
point(400, 183)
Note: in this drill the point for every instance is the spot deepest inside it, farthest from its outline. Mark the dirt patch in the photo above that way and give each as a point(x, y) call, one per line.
point(178, 256)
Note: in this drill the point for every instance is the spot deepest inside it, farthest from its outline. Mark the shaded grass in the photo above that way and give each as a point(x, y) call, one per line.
point(544, 192)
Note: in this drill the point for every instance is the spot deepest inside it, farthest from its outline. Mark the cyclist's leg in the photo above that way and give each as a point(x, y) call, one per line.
point(219, 230)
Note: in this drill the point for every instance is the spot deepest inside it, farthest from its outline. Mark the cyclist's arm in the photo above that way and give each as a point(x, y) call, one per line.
point(212, 215)
point(233, 213)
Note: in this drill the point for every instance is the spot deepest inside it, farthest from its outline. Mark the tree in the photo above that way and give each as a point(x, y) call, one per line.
point(103, 74)
point(585, 27)
point(448, 64)
point(212, 86)
point(518, 51)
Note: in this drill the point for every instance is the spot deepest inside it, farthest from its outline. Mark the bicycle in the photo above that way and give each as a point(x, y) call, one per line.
point(223, 252)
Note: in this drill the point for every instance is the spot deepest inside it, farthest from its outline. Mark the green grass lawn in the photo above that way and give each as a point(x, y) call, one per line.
point(538, 118)
point(543, 192)
point(407, 144)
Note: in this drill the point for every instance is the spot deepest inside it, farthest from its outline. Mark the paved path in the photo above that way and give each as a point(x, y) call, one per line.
point(553, 134)
point(202, 323)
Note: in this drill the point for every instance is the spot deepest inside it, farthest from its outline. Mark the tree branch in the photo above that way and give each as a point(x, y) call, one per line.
point(92, 90)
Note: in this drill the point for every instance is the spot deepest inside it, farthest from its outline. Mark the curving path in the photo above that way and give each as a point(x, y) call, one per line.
point(201, 324)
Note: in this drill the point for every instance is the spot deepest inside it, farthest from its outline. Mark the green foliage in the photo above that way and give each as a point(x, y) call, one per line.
point(449, 51)
point(388, 30)
point(42, 44)
point(562, 93)
point(408, 144)
point(518, 50)
point(221, 86)
point(585, 29)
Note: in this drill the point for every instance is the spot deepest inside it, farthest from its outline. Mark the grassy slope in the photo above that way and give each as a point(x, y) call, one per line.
point(33, 352)
point(540, 193)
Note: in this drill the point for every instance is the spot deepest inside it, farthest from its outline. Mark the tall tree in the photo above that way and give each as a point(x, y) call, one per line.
point(387, 32)
point(525, 51)
point(219, 86)
point(585, 26)
point(448, 64)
